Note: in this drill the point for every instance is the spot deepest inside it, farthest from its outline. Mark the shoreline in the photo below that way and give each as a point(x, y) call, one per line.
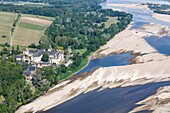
point(128, 76)
point(162, 17)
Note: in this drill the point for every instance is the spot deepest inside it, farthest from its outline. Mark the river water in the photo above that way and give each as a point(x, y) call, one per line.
point(110, 60)
point(119, 100)
point(116, 100)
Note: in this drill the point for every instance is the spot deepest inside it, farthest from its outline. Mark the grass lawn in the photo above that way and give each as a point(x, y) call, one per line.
point(111, 20)
point(32, 26)
point(81, 51)
point(77, 69)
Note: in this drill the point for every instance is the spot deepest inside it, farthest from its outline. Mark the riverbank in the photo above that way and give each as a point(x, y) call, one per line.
point(157, 103)
point(132, 40)
point(161, 17)
point(110, 77)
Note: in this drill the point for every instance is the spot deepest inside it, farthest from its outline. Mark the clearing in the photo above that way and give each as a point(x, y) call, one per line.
point(110, 21)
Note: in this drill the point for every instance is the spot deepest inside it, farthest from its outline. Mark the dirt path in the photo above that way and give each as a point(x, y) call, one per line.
point(14, 29)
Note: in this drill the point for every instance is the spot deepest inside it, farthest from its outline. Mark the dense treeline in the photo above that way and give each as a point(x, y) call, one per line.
point(14, 90)
point(58, 7)
point(160, 8)
point(84, 27)
point(34, 1)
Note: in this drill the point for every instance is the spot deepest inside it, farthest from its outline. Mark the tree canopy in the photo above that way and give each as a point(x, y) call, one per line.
point(45, 58)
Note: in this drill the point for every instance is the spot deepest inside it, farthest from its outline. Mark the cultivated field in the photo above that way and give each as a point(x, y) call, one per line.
point(30, 29)
point(6, 22)
point(25, 36)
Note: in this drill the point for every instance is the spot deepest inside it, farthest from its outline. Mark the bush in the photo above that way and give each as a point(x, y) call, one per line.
point(45, 58)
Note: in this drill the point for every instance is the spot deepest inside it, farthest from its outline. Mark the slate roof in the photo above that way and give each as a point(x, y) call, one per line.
point(19, 56)
point(41, 52)
point(27, 73)
point(32, 68)
point(32, 51)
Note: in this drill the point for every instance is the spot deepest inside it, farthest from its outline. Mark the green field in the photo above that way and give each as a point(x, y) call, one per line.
point(30, 29)
point(40, 17)
point(6, 22)
point(32, 26)
point(26, 32)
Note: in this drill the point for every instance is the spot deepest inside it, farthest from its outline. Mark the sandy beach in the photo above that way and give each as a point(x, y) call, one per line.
point(132, 40)
point(162, 17)
point(110, 77)
point(158, 103)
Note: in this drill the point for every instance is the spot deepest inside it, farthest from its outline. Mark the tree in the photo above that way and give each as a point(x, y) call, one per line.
point(45, 58)
point(17, 48)
point(32, 46)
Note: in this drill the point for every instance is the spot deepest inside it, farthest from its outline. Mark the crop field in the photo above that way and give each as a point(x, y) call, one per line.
point(25, 36)
point(32, 26)
point(30, 29)
point(6, 22)
point(40, 17)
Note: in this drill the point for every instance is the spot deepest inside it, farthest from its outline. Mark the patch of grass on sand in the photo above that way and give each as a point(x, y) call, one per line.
point(32, 26)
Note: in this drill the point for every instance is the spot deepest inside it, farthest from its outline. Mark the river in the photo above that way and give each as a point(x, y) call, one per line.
point(116, 100)
point(110, 60)
point(120, 100)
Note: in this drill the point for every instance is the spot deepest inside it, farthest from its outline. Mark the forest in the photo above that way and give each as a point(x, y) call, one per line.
point(14, 90)
point(79, 24)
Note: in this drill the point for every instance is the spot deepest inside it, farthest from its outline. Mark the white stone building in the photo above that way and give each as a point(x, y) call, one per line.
point(35, 56)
